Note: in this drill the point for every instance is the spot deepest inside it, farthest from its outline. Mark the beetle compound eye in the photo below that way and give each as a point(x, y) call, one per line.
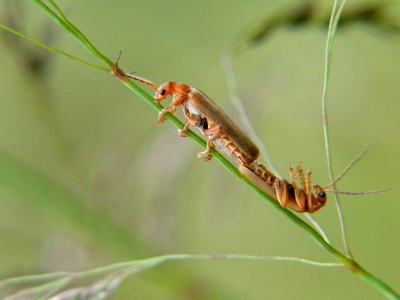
point(162, 92)
point(322, 194)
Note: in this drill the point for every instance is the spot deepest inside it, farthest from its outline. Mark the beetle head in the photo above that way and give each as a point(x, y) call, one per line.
point(320, 197)
point(163, 91)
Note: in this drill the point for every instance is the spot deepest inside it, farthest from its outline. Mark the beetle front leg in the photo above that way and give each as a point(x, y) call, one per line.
point(175, 103)
point(161, 117)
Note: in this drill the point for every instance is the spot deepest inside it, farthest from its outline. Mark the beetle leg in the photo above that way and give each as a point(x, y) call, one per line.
point(175, 103)
point(299, 193)
point(189, 121)
point(161, 117)
point(311, 200)
point(301, 198)
point(213, 133)
point(185, 128)
point(301, 176)
point(281, 189)
point(293, 172)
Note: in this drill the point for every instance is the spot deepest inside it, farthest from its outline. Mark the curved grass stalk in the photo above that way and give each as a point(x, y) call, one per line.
point(334, 20)
point(231, 83)
point(229, 74)
point(227, 66)
point(65, 24)
point(52, 49)
point(111, 276)
point(343, 260)
point(320, 229)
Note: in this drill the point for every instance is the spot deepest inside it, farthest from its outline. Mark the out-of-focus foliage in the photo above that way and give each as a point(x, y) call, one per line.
point(376, 15)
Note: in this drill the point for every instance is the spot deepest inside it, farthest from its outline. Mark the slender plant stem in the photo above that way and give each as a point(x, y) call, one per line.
point(318, 227)
point(328, 59)
point(73, 31)
point(227, 65)
point(52, 49)
point(229, 73)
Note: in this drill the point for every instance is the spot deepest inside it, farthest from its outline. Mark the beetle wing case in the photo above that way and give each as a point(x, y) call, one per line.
point(206, 107)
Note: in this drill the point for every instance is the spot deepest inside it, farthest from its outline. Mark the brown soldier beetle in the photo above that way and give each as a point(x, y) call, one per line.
point(200, 111)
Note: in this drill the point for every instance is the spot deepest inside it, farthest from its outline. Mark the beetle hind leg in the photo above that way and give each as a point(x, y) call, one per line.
point(185, 128)
point(282, 192)
point(300, 195)
point(213, 133)
point(206, 153)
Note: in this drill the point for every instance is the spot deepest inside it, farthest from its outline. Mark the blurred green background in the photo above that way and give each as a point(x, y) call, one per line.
point(88, 177)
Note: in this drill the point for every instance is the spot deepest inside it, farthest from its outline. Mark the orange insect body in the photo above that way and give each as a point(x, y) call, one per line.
point(287, 194)
point(224, 134)
point(212, 121)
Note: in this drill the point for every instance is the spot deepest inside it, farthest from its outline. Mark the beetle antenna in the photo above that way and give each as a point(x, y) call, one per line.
point(348, 167)
point(359, 193)
point(119, 56)
point(143, 80)
point(129, 75)
point(326, 188)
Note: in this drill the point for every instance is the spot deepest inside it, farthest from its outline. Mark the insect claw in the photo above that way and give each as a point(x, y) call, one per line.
point(208, 157)
point(182, 133)
point(161, 117)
